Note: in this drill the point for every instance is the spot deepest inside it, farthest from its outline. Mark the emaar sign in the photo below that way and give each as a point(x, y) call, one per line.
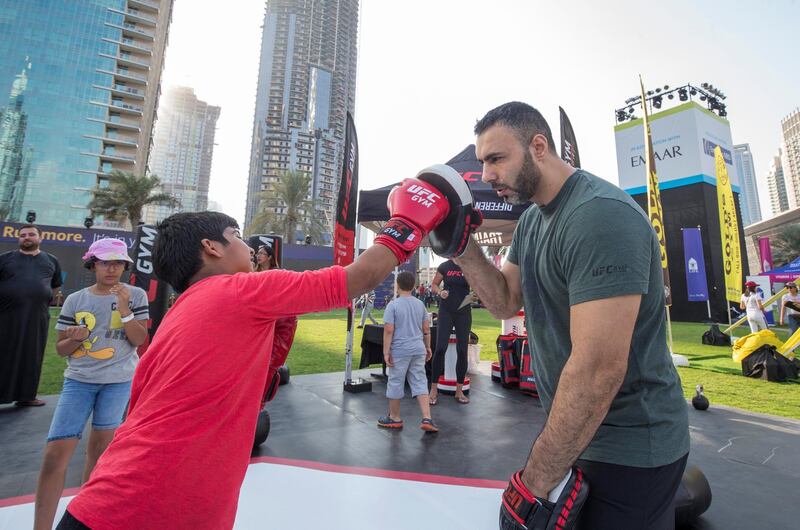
point(681, 139)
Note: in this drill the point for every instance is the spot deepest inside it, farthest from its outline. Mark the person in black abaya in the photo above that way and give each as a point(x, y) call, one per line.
point(28, 278)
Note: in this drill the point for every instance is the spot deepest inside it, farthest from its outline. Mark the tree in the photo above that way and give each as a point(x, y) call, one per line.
point(297, 212)
point(127, 194)
point(786, 245)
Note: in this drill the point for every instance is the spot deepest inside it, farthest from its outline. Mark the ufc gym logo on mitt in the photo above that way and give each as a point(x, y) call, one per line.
point(422, 195)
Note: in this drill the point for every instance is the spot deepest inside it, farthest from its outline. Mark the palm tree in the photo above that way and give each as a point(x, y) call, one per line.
point(786, 245)
point(127, 194)
point(290, 194)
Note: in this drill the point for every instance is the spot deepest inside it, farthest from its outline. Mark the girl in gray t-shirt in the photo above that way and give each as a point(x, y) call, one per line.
point(99, 329)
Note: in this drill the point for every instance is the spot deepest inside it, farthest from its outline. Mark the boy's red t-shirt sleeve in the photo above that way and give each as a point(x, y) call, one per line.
point(280, 293)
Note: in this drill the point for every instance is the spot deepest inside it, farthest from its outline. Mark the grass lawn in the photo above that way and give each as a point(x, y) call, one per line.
point(319, 347)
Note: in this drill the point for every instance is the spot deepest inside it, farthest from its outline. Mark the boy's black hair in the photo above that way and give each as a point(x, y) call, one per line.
point(38, 230)
point(405, 281)
point(177, 250)
point(524, 120)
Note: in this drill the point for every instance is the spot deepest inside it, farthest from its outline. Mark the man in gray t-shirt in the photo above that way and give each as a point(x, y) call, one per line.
point(585, 262)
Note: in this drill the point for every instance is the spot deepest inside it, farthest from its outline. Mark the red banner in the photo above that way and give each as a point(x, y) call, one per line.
point(344, 231)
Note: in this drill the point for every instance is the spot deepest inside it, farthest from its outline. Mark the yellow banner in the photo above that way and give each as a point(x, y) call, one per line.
point(729, 231)
point(654, 210)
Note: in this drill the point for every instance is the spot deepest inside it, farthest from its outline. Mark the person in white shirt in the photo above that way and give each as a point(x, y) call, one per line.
point(751, 301)
point(789, 315)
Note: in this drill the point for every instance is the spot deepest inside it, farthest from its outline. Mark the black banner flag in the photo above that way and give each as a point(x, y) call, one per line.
point(569, 145)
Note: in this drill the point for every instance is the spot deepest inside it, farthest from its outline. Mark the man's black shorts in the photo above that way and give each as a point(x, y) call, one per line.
point(636, 498)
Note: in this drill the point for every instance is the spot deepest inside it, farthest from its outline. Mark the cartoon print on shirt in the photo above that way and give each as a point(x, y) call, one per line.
point(87, 319)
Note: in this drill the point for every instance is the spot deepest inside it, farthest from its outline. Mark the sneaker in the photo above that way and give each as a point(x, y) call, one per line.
point(389, 423)
point(428, 425)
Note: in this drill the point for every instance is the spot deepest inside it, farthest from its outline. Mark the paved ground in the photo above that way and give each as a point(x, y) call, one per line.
point(752, 461)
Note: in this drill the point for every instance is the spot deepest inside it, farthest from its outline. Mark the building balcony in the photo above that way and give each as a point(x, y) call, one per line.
point(127, 60)
point(125, 108)
point(119, 123)
point(123, 90)
point(147, 4)
point(125, 75)
point(136, 16)
point(129, 44)
point(110, 157)
point(132, 29)
point(100, 173)
point(114, 139)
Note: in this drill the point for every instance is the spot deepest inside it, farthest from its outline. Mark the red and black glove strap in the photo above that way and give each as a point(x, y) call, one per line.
point(527, 510)
point(474, 220)
point(401, 237)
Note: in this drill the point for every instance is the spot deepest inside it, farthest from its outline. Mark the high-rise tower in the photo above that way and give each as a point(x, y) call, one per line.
point(306, 84)
point(183, 147)
point(748, 198)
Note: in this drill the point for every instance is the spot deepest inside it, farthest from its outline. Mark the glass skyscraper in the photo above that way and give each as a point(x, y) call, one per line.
point(748, 198)
point(183, 147)
point(78, 89)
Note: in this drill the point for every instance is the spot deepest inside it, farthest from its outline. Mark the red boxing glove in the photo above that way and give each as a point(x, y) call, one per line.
point(282, 340)
point(416, 208)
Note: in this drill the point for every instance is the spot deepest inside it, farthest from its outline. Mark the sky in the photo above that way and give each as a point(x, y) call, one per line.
point(427, 70)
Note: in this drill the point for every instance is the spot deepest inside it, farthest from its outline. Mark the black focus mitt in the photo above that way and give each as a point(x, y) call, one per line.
point(450, 237)
point(521, 510)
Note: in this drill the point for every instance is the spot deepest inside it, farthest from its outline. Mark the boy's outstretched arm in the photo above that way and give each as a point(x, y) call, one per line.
point(369, 269)
point(416, 208)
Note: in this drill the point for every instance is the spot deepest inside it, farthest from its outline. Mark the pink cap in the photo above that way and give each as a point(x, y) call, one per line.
point(108, 249)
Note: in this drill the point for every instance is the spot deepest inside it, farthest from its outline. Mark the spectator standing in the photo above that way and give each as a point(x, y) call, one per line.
point(788, 314)
point(751, 303)
point(99, 329)
point(406, 348)
point(366, 313)
point(28, 280)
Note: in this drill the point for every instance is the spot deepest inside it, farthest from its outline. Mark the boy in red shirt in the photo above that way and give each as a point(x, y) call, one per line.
point(180, 457)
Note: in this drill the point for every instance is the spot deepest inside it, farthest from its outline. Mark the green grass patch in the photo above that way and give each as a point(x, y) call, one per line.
point(722, 380)
point(320, 343)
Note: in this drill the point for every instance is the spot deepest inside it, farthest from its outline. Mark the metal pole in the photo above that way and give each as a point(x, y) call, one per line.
point(708, 305)
point(669, 332)
point(348, 348)
point(728, 304)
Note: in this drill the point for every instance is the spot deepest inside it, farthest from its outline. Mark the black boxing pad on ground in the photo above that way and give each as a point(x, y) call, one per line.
point(283, 372)
point(693, 496)
point(448, 238)
point(262, 428)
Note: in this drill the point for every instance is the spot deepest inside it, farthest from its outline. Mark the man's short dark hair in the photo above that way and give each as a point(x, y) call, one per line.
point(177, 250)
point(524, 120)
point(38, 231)
point(405, 281)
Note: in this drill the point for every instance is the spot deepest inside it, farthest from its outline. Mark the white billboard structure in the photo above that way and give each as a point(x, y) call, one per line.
point(684, 138)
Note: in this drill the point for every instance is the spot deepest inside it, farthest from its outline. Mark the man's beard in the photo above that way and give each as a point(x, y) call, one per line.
point(525, 183)
point(28, 245)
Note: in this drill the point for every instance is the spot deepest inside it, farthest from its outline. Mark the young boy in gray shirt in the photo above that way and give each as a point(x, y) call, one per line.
point(406, 348)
